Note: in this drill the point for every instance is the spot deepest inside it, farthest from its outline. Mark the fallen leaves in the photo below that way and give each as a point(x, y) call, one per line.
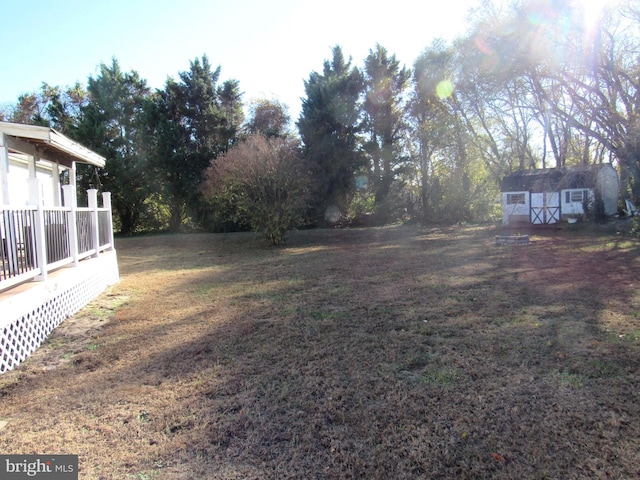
point(499, 458)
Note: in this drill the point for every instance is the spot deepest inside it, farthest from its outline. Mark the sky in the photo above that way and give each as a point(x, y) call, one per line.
point(269, 46)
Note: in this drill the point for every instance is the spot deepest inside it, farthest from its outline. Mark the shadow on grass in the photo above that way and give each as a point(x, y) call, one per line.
point(371, 353)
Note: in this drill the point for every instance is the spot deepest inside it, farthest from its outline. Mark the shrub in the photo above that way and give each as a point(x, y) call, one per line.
point(264, 183)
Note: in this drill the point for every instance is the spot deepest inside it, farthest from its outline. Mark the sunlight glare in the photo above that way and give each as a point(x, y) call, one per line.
point(587, 12)
point(444, 89)
point(362, 182)
point(490, 59)
point(332, 214)
point(592, 10)
point(482, 45)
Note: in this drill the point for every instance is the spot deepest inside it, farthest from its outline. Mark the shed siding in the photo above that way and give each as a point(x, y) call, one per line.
point(559, 181)
point(515, 212)
point(570, 208)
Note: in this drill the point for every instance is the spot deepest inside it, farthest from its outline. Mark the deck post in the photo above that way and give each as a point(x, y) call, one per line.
point(55, 181)
point(70, 201)
point(4, 170)
point(35, 238)
point(106, 203)
point(92, 196)
point(7, 229)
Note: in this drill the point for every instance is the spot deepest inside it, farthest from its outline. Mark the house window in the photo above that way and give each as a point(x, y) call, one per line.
point(515, 199)
point(575, 196)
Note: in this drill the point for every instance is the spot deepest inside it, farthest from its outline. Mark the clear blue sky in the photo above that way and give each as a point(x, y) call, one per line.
point(270, 46)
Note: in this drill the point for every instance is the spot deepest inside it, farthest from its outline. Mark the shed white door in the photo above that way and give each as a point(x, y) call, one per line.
point(545, 208)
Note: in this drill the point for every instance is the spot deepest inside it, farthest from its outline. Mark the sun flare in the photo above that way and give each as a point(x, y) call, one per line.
point(593, 10)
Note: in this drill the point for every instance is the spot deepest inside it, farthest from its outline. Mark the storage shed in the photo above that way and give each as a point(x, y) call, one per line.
point(547, 196)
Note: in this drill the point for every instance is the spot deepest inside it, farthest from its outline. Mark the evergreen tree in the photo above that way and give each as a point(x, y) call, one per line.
point(268, 117)
point(385, 83)
point(111, 125)
point(191, 122)
point(329, 126)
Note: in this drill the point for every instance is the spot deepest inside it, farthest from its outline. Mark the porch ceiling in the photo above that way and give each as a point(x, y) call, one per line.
point(49, 144)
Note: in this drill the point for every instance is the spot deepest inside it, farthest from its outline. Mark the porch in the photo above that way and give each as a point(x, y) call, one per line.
point(55, 256)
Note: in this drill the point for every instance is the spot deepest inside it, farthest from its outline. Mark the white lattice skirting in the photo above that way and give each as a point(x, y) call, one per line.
point(31, 311)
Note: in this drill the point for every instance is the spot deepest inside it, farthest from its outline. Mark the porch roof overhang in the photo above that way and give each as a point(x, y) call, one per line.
point(48, 144)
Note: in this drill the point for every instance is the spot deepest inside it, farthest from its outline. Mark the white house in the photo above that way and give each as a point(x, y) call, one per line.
point(550, 195)
point(55, 256)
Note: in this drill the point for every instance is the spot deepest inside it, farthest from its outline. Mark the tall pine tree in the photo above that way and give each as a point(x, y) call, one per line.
point(386, 83)
point(191, 121)
point(329, 126)
point(111, 125)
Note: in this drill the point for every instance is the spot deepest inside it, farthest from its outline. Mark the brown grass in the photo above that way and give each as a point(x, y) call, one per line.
point(380, 353)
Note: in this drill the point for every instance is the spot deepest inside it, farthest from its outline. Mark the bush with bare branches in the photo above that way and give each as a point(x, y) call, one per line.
point(266, 183)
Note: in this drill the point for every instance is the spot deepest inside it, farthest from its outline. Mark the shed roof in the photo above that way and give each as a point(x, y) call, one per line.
point(550, 179)
point(50, 144)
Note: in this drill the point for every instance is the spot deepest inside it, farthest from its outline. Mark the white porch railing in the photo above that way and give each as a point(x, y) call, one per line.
point(36, 240)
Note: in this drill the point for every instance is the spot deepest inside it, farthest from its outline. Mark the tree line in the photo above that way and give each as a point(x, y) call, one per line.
point(532, 84)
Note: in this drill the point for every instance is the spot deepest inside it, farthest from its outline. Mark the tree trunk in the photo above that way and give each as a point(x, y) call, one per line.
point(128, 221)
point(177, 215)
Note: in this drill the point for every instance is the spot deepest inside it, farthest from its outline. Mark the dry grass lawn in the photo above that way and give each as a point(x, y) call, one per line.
point(386, 353)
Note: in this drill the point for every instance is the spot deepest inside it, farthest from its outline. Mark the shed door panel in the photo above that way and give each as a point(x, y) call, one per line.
point(545, 208)
point(537, 208)
point(552, 207)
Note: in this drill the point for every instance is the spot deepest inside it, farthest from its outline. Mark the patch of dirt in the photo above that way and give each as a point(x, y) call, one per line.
point(78, 332)
point(396, 352)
